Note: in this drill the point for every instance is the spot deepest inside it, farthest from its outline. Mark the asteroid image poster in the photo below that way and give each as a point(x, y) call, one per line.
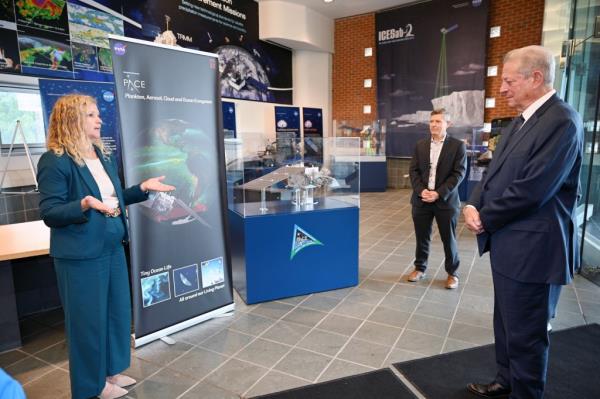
point(250, 69)
point(170, 114)
point(430, 55)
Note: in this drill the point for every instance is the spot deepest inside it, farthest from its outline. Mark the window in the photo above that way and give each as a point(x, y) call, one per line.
point(25, 105)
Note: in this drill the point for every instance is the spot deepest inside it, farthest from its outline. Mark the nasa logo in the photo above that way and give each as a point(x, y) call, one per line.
point(108, 96)
point(120, 48)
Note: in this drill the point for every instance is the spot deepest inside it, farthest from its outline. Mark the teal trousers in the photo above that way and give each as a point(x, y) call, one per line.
point(97, 306)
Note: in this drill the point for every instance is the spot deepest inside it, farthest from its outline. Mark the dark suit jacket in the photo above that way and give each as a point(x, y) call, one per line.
point(450, 171)
point(527, 198)
point(75, 234)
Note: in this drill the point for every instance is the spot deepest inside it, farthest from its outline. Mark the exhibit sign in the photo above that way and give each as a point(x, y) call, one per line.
point(430, 55)
point(287, 122)
point(170, 115)
point(229, 124)
point(312, 124)
point(251, 69)
point(104, 93)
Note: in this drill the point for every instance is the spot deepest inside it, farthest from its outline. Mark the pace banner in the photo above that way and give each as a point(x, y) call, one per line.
point(104, 93)
point(430, 55)
point(171, 125)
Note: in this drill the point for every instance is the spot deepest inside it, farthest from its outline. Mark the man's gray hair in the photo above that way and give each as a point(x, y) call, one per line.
point(441, 111)
point(533, 58)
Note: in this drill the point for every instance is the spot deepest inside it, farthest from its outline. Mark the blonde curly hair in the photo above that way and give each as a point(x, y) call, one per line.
point(66, 132)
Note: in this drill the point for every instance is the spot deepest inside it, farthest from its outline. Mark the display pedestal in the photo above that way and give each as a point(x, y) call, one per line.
point(291, 251)
point(373, 174)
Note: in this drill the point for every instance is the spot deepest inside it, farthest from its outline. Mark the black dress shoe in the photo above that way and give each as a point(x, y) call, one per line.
point(491, 390)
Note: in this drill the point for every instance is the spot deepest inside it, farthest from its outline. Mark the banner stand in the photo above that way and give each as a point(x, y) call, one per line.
point(221, 312)
point(171, 125)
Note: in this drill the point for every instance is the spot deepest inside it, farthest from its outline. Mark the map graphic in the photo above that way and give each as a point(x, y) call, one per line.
point(45, 53)
point(48, 15)
point(43, 9)
point(92, 27)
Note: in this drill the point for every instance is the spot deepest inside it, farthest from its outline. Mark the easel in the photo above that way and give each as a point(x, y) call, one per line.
point(18, 130)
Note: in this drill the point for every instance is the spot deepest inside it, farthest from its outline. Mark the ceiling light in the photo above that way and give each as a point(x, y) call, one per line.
point(328, 1)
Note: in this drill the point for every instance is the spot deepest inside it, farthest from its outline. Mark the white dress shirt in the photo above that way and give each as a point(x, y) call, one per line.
point(434, 156)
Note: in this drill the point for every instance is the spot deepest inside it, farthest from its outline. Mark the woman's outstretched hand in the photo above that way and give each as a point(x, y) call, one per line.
point(155, 184)
point(90, 202)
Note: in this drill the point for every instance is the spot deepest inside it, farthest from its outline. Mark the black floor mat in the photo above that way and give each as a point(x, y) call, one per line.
point(380, 384)
point(573, 370)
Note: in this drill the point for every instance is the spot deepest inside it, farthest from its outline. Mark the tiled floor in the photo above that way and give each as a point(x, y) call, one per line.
point(298, 341)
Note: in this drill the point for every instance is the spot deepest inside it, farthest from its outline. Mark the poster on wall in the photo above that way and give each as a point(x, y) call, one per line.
point(430, 55)
point(170, 116)
point(287, 133)
point(312, 125)
point(104, 93)
point(250, 69)
point(229, 125)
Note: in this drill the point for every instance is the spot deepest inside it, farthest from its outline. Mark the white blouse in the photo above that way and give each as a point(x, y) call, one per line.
point(107, 190)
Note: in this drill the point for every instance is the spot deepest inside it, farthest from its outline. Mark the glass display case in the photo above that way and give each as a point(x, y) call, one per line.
point(292, 175)
point(371, 136)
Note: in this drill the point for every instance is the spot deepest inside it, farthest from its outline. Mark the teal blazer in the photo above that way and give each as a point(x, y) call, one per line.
point(75, 234)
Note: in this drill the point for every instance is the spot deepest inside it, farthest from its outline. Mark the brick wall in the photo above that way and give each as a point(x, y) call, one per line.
point(350, 68)
point(521, 25)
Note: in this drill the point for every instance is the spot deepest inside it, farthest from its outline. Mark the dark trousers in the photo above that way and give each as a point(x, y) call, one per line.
point(446, 220)
point(521, 313)
point(96, 301)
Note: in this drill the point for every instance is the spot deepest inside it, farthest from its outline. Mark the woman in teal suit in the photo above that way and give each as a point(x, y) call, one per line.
point(82, 202)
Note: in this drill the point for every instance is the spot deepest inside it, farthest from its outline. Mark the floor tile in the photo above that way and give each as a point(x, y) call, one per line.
point(341, 368)
point(303, 364)
point(353, 309)
point(286, 332)
point(305, 317)
point(264, 353)
point(323, 342)
point(28, 369)
point(321, 303)
point(378, 333)
point(275, 381)
point(166, 383)
point(274, 310)
point(55, 385)
point(418, 342)
point(365, 353)
point(389, 316)
point(339, 324)
point(10, 357)
point(236, 376)
point(208, 391)
point(473, 334)
point(160, 353)
point(251, 324)
point(197, 363)
point(227, 342)
point(429, 325)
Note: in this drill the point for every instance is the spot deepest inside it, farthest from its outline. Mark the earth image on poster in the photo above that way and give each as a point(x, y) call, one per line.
point(178, 151)
point(43, 9)
point(44, 53)
point(92, 27)
point(241, 75)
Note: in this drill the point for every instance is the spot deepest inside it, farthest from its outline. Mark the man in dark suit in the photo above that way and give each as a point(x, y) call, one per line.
point(437, 167)
point(523, 212)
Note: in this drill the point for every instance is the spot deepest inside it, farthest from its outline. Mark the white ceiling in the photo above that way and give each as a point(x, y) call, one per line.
point(346, 8)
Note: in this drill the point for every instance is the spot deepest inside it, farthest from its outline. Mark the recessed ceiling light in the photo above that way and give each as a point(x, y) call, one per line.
point(328, 1)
